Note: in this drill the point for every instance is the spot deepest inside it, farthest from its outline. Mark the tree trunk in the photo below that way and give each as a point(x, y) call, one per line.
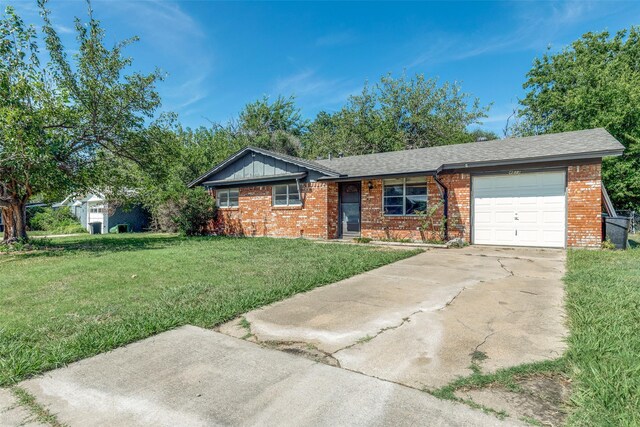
point(14, 219)
point(5, 224)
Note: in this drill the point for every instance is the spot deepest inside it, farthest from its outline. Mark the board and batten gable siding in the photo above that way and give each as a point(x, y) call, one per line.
point(255, 165)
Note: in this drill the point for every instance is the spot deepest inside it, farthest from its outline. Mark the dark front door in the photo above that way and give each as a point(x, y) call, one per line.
point(350, 208)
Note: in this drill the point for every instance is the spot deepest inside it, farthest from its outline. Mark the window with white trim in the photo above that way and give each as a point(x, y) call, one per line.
point(96, 209)
point(227, 198)
point(404, 196)
point(286, 195)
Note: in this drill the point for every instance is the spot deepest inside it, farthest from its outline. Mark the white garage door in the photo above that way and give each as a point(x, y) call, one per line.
point(526, 209)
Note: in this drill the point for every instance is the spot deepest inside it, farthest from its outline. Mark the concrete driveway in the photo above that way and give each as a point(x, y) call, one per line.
point(423, 321)
point(197, 377)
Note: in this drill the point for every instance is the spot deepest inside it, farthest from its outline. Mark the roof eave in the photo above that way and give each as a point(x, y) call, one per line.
point(344, 177)
point(241, 152)
point(468, 165)
point(523, 160)
point(255, 180)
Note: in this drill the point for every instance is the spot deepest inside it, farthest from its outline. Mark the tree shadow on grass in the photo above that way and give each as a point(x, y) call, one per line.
point(104, 244)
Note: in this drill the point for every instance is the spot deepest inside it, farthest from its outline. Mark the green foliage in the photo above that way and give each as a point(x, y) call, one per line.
point(608, 244)
point(595, 82)
point(506, 377)
point(80, 297)
point(396, 114)
point(430, 224)
point(188, 153)
point(277, 126)
point(482, 135)
point(195, 211)
point(18, 246)
point(56, 221)
point(39, 412)
point(66, 125)
point(603, 306)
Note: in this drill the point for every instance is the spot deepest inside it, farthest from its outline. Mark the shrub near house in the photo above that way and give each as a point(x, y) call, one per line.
point(55, 221)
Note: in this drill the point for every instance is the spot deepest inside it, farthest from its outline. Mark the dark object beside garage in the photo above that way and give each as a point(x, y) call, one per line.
point(616, 230)
point(96, 227)
point(120, 228)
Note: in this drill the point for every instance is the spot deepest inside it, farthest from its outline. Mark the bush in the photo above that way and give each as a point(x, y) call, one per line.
point(195, 210)
point(164, 216)
point(59, 221)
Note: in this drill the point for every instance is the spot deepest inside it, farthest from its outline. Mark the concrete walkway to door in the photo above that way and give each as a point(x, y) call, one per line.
point(422, 321)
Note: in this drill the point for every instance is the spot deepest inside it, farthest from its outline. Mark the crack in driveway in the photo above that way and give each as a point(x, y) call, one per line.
point(484, 341)
point(380, 332)
point(348, 321)
point(505, 268)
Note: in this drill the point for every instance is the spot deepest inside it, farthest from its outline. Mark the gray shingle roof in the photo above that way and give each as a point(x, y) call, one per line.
point(592, 143)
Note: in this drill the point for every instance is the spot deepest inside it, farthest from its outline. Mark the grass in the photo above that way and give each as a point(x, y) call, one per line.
point(505, 377)
point(40, 413)
point(79, 296)
point(603, 356)
point(58, 231)
point(603, 304)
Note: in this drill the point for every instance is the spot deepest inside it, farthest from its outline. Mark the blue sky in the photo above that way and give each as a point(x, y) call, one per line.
point(220, 55)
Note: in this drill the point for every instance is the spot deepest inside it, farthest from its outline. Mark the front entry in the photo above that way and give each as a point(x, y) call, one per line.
point(350, 209)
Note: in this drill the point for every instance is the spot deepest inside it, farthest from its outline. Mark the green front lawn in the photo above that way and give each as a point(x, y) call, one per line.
point(603, 304)
point(89, 294)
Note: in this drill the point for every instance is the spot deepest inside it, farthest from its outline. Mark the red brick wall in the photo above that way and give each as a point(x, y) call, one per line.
point(332, 210)
point(376, 225)
point(318, 218)
point(255, 215)
point(459, 185)
point(584, 205)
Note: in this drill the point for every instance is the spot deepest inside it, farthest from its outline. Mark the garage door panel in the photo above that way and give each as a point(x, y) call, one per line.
point(504, 217)
point(484, 218)
point(537, 200)
point(506, 236)
point(528, 237)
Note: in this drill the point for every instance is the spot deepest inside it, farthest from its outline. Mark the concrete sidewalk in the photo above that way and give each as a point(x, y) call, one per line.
point(196, 377)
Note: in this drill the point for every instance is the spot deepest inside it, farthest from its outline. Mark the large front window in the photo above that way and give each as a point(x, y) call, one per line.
point(227, 198)
point(286, 195)
point(405, 196)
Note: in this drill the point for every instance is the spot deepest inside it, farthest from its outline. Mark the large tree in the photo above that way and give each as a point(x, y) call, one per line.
point(594, 82)
point(276, 125)
point(396, 114)
point(65, 124)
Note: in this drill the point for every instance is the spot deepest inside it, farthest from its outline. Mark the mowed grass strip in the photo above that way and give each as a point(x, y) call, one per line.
point(603, 304)
point(89, 294)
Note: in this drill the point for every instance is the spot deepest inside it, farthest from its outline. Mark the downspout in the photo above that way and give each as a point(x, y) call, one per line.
point(299, 192)
point(444, 192)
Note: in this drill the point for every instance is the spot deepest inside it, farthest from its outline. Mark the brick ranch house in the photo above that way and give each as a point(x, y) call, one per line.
point(543, 191)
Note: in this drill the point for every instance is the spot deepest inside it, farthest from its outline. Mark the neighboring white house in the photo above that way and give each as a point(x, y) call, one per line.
point(91, 211)
point(98, 217)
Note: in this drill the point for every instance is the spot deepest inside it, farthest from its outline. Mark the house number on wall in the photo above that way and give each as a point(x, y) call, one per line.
point(514, 172)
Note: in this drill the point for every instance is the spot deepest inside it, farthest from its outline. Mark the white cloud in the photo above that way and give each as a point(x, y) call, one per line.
point(174, 39)
point(534, 26)
point(315, 91)
point(303, 83)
